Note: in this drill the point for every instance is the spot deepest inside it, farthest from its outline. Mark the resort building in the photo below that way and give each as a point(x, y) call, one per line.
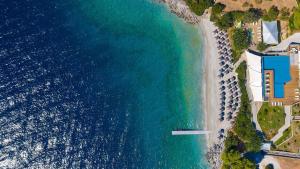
point(274, 78)
point(270, 32)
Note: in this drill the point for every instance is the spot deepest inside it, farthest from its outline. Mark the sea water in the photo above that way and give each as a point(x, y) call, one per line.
point(98, 84)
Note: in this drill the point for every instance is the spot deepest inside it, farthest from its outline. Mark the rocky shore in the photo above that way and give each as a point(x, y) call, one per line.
point(213, 155)
point(180, 8)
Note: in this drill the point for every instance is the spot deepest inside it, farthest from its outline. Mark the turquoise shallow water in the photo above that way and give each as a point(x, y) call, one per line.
point(99, 84)
point(158, 58)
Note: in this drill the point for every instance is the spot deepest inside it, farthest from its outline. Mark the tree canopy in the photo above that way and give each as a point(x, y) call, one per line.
point(252, 15)
point(240, 39)
point(271, 14)
point(199, 6)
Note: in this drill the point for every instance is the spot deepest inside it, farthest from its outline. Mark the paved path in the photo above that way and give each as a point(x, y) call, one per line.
point(255, 106)
point(284, 154)
point(287, 123)
point(241, 59)
point(285, 43)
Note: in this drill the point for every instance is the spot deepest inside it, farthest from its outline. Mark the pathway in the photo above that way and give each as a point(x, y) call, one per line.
point(255, 107)
point(287, 123)
point(285, 43)
point(241, 59)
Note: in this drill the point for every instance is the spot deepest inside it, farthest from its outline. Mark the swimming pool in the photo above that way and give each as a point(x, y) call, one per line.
point(280, 65)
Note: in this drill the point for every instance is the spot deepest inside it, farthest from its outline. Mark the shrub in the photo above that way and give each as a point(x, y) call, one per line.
point(294, 21)
point(261, 46)
point(271, 14)
point(284, 14)
point(258, 1)
point(245, 4)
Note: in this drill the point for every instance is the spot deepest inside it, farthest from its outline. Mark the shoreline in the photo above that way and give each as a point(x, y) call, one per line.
point(210, 67)
point(210, 85)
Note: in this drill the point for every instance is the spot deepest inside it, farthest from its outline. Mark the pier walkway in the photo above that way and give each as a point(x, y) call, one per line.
point(190, 132)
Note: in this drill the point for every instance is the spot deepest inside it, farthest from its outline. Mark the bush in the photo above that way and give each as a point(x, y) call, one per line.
point(245, 4)
point(294, 21)
point(271, 14)
point(261, 46)
point(258, 1)
point(284, 14)
point(199, 6)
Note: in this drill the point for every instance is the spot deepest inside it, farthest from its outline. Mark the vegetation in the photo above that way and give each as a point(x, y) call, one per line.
point(293, 143)
point(271, 118)
point(261, 46)
point(271, 14)
point(284, 14)
point(252, 15)
point(285, 135)
point(199, 6)
point(241, 39)
point(269, 166)
point(294, 21)
point(224, 22)
point(243, 125)
point(296, 110)
point(232, 156)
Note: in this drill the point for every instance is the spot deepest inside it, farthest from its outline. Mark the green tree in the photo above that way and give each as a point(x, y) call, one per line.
point(271, 14)
point(252, 15)
point(284, 14)
point(199, 6)
point(240, 39)
point(225, 22)
point(218, 8)
point(234, 160)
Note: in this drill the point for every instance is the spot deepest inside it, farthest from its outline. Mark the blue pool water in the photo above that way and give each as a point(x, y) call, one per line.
point(98, 84)
point(281, 69)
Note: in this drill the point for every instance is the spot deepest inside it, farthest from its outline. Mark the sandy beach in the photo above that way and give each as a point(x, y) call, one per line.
point(210, 85)
point(210, 80)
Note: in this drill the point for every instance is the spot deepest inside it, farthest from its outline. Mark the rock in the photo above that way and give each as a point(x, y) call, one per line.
point(180, 8)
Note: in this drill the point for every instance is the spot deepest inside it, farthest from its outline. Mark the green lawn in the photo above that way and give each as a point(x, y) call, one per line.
point(271, 118)
point(286, 134)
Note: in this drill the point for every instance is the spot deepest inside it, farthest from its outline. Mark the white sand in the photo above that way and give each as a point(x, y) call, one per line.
point(210, 80)
point(211, 92)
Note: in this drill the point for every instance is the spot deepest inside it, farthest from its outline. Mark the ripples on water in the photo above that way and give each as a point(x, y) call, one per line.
point(48, 106)
point(67, 102)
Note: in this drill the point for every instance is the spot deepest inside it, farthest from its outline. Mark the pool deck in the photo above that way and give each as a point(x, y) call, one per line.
point(290, 88)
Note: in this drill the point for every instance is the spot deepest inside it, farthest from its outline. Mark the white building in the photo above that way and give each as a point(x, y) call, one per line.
point(270, 32)
point(255, 76)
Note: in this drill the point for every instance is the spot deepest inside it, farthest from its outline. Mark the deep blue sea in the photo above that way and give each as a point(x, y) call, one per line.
point(98, 84)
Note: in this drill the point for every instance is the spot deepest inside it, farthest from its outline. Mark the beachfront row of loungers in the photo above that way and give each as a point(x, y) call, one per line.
point(229, 90)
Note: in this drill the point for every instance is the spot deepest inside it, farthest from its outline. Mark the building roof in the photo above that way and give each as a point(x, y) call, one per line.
point(270, 32)
point(255, 75)
point(281, 70)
